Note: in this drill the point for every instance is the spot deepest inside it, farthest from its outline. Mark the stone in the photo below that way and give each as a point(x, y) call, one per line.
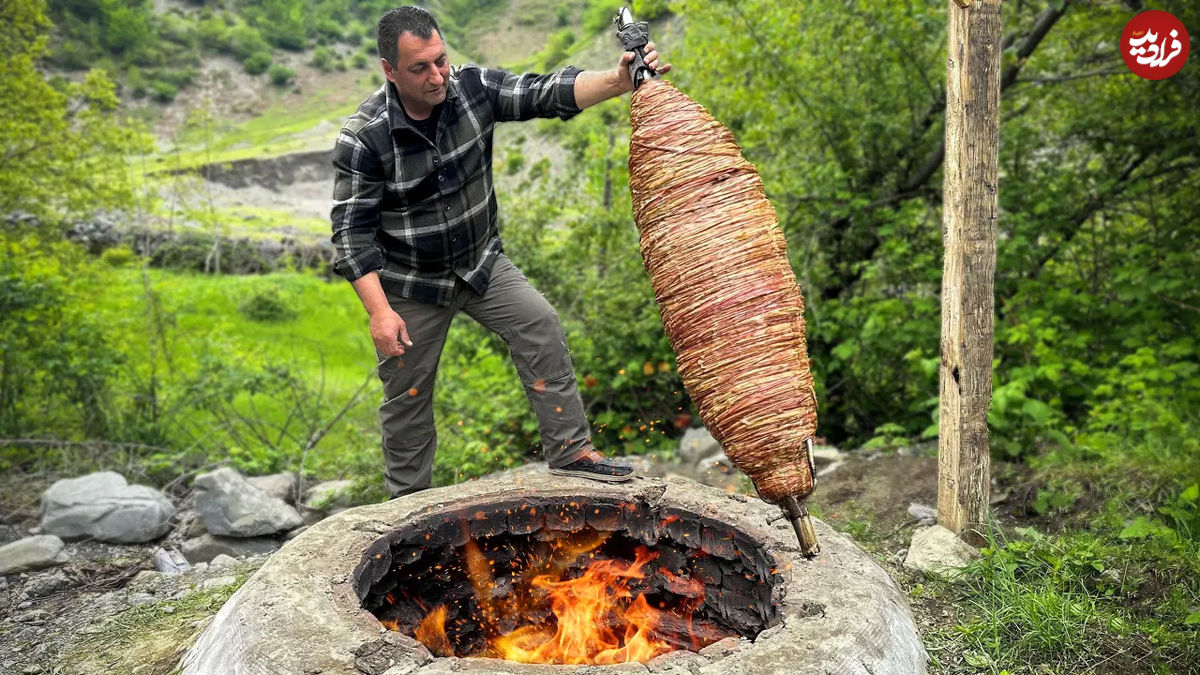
point(104, 506)
point(719, 472)
point(328, 495)
point(189, 524)
point(205, 548)
point(696, 444)
point(230, 506)
point(218, 582)
point(721, 648)
point(284, 485)
point(295, 533)
point(938, 550)
point(926, 515)
point(678, 661)
point(221, 561)
point(827, 459)
point(170, 561)
point(32, 553)
point(47, 584)
point(863, 625)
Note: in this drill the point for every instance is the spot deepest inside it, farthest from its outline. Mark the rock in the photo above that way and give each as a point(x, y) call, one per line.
point(938, 550)
point(827, 459)
point(104, 506)
point(141, 599)
point(927, 515)
point(678, 661)
point(328, 495)
point(230, 506)
point(697, 443)
point(32, 553)
point(218, 582)
point(146, 579)
point(283, 485)
point(170, 561)
point(296, 532)
point(719, 472)
point(190, 525)
point(221, 561)
point(205, 548)
point(721, 648)
point(47, 584)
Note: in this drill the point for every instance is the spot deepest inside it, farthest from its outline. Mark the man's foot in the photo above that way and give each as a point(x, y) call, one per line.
point(595, 466)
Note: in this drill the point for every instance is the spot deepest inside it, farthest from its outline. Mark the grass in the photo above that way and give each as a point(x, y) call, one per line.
point(148, 639)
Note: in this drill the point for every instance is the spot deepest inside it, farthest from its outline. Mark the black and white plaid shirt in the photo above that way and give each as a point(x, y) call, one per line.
point(423, 212)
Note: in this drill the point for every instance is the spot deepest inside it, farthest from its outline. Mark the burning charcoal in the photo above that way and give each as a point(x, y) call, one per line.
point(700, 633)
point(706, 569)
point(682, 528)
point(488, 524)
point(567, 516)
point(717, 540)
point(374, 565)
point(448, 532)
point(525, 519)
point(763, 563)
point(604, 517)
point(741, 583)
point(670, 558)
point(641, 522)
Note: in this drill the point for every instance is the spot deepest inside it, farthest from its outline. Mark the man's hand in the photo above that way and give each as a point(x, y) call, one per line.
point(650, 60)
point(389, 332)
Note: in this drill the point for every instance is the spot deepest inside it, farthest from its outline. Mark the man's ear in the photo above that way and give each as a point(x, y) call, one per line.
point(388, 71)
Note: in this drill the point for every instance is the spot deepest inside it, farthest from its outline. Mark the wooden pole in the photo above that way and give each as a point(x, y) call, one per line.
point(969, 235)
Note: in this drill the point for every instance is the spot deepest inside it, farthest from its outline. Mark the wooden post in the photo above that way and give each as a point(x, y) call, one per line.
point(969, 235)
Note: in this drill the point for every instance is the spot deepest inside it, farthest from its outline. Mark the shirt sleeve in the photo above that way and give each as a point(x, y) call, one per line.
point(522, 97)
point(358, 185)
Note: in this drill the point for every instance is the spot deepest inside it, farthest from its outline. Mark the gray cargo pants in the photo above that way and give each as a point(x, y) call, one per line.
point(516, 312)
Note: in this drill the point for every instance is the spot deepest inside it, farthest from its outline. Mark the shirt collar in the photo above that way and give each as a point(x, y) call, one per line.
point(396, 117)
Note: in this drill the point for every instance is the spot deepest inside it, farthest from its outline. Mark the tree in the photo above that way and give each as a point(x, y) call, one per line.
point(61, 151)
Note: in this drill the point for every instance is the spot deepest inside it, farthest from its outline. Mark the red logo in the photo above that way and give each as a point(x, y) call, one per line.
point(1154, 45)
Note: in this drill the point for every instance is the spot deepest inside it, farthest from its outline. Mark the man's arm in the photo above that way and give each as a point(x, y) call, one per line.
point(594, 86)
point(358, 186)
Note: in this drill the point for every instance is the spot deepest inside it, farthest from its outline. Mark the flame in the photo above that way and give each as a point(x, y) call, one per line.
point(597, 618)
point(432, 632)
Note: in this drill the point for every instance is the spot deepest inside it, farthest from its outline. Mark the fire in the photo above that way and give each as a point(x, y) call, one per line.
point(598, 617)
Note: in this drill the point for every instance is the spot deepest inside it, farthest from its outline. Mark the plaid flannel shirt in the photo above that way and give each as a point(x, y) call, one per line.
point(422, 211)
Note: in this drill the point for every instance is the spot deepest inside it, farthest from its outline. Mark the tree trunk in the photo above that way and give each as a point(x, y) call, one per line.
point(969, 233)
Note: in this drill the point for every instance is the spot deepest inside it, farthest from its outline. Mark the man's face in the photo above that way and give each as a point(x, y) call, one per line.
point(420, 73)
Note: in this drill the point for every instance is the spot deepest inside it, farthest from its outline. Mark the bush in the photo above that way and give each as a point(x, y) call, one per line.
point(258, 63)
point(323, 59)
point(118, 256)
point(164, 91)
point(359, 60)
point(266, 305)
point(245, 41)
point(280, 75)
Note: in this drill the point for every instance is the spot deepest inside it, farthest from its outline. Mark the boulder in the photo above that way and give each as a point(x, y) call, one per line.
point(329, 495)
point(207, 547)
point(697, 443)
point(283, 485)
point(32, 553)
point(104, 506)
point(229, 505)
point(938, 550)
point(927, 515)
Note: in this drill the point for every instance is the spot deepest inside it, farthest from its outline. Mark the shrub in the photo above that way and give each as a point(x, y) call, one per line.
point(257, 63)
point(164, 91)
point(323, 59)
point(118, 256)
point(245, 41)
point(359, 60)
point(266, 305)
point(280, 75)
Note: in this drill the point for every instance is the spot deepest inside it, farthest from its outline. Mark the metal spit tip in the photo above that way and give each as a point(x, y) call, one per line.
point(802, 523)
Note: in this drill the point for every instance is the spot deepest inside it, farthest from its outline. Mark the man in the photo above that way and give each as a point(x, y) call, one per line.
point(414, 224)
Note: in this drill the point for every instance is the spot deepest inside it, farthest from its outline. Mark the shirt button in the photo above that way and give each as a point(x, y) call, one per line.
point(436, 159)
point(447, 207)
point(442, 177)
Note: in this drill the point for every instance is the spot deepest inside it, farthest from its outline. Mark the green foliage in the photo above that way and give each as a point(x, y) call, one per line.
point(323, 59)
point(257, 63)
point(164, 91)
point(556, 49)
point(57, 146)
point(267, 305)
point(118, 256)
point(281, 75)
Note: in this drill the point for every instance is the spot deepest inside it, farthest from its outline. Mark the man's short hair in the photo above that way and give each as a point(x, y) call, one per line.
point(409, 19)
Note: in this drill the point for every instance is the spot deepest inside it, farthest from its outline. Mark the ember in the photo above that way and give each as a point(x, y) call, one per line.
point(568, 583)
